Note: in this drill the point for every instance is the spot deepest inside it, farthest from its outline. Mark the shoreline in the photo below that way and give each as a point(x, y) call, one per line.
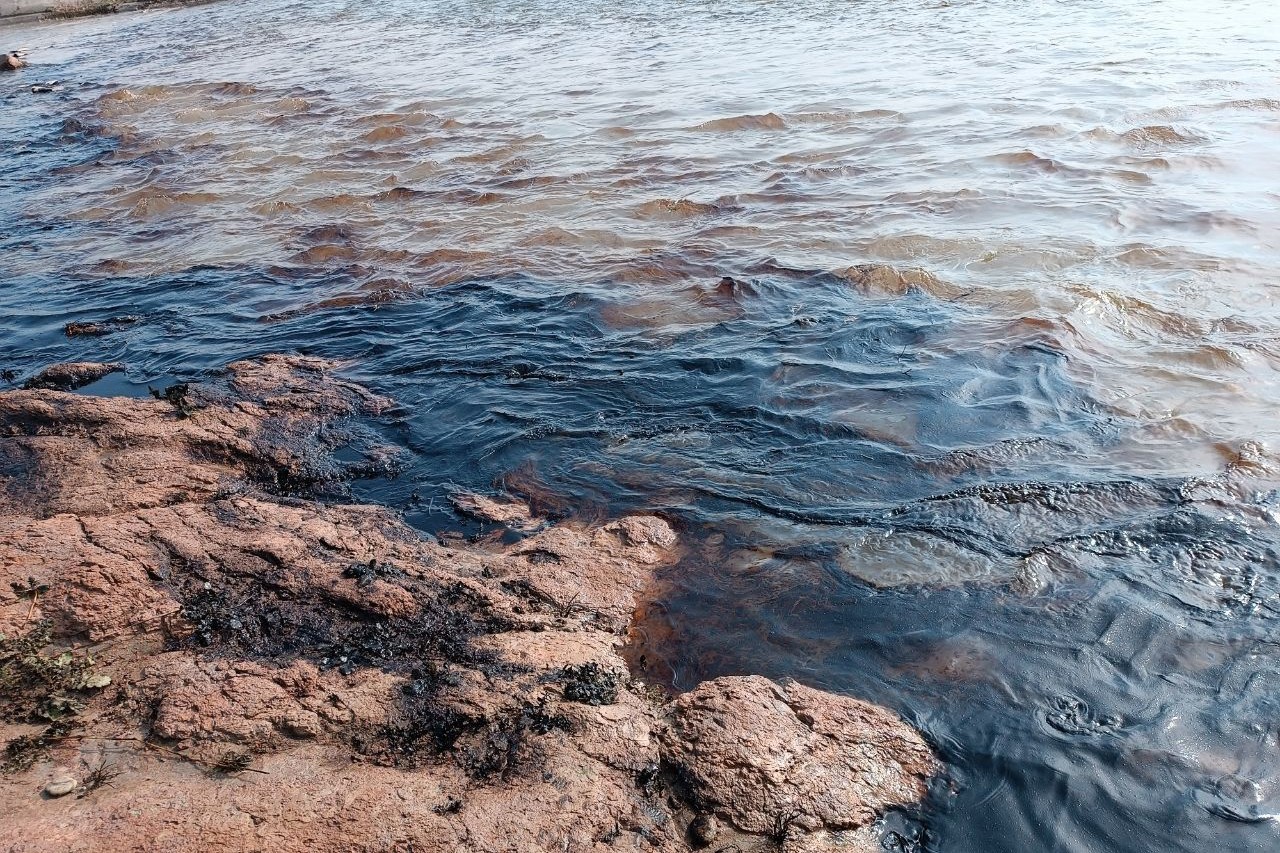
point(39, 11)
point(202, 636)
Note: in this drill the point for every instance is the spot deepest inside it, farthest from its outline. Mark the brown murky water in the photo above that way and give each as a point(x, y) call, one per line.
point(1101, 176)
point(949, 331)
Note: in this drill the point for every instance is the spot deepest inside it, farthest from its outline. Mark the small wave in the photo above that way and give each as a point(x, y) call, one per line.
point(661, 269)
point(1252, 104)
point(337, 233)
point(683, 208)
point(233, 88)
point(341, 201)
point(839, 116)
point(371, 295)
point(1130, 312)
point(1045, 131)
point(74, 128)
point(385, 134)
point(406, 119)
point(1028, 159)
point(1158, 136)
point(1001, 455)
point(400, 194)
point(112, 266)
point(147, 203)
point(766, 121)
point(324, 254)
point(274, 208)
point(894, 281)
point(441, 267)
point(532, 182)
point(468, 195)
point(1157, 164)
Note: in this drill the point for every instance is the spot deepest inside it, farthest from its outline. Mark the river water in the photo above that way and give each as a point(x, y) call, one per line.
point(946, 332)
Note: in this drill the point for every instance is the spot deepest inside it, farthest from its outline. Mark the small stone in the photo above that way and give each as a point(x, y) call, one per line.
point(704, 829)
point(60, 786)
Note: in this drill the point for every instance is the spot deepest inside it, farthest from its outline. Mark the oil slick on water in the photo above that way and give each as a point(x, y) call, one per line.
point(944, 331)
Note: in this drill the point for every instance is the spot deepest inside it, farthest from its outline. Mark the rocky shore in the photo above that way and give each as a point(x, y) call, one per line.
point(205, 648)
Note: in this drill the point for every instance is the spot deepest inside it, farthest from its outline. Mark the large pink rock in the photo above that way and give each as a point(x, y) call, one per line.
point(774, 758)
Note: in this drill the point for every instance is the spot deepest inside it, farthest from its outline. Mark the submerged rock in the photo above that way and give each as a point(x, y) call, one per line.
point(97, 328)
point(12, 61)
point(512, 513)
point(334, 680)
point(71, 375)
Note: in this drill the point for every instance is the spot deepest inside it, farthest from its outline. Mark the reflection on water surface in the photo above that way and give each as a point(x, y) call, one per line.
point(946, 331)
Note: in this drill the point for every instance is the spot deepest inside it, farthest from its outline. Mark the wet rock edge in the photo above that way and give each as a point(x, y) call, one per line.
point(246, 654)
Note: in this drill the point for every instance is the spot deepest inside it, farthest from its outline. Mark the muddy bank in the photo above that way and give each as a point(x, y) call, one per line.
point(197, 652)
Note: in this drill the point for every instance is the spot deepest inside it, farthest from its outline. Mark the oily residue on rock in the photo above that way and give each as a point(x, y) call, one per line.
point(293, 652)
point(94, 328)
point(71, 375)
point(933, 327)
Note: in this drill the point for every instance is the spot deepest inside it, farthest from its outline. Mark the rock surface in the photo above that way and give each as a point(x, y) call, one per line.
point(287, 674)
point(71, 375)
point(483, 508)
point(772, 757)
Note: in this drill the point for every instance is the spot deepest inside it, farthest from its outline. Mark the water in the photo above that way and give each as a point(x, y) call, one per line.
point(945, 332)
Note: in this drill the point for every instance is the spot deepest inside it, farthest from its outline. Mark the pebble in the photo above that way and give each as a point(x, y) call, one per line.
point(703, 829)
point(60, 786)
